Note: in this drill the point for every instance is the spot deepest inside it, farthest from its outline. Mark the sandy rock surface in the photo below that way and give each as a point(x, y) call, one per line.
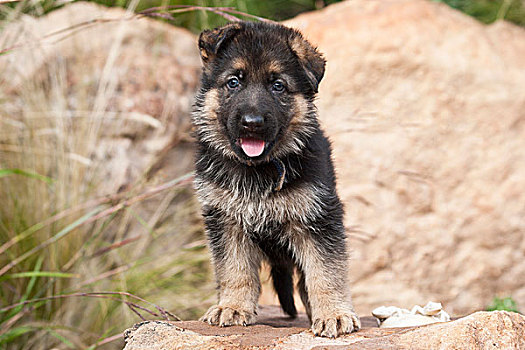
point(482, 330)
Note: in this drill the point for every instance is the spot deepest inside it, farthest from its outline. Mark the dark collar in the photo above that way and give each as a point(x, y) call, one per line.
point(281, 171)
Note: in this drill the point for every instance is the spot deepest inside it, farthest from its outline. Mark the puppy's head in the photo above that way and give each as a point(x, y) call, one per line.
point(259, 82)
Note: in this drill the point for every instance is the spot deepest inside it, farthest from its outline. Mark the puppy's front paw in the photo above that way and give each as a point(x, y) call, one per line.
point(336, 324)
point(225, 316)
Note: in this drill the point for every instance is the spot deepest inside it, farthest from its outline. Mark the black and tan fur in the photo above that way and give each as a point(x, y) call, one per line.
point(259, 82)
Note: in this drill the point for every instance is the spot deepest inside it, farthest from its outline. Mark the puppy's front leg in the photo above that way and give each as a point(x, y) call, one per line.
point(324, 284)
point(236, 260)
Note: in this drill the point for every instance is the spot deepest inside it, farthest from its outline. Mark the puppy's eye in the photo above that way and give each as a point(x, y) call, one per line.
point(233, 83)
point(278, 86)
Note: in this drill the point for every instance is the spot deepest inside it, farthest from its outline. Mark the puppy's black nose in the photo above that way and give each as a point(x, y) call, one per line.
point(252, 122)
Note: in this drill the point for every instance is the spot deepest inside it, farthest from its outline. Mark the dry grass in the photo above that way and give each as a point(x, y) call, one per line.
point(62, 243)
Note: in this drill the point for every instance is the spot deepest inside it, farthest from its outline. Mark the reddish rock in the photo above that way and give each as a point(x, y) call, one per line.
point(482, 330)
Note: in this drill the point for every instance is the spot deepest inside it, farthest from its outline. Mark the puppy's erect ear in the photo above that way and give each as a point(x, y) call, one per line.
point(311, 60)
point(210, 41)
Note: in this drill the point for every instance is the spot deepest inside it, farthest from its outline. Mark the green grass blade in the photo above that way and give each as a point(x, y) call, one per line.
point(141, 221)
point(29, 174)
point(21, 236)
point(60, 337)
point(39, 274)
point(28, 290)
point(53, 239)
point(14, 333)
point(32, 282)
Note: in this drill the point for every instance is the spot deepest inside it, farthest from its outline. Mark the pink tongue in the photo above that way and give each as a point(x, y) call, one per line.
point(252, 147)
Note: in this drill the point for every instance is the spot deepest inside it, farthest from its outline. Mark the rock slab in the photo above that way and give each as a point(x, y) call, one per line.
point(481, 330)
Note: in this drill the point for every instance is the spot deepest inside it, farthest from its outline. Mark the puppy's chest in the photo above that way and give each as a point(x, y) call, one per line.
point(257, 211)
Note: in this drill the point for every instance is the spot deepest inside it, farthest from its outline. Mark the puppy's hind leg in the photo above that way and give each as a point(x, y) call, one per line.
point(282, 277)
point(301, 286)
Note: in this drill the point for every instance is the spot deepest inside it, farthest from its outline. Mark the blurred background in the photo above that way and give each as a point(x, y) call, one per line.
point(486, 11)
point(424, 102)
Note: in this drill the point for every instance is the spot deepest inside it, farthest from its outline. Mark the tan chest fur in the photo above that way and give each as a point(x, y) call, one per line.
point(253, 210)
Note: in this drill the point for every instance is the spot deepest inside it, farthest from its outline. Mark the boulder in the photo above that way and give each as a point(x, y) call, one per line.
point(425, 107)
point(481, 330)
point(133, 79)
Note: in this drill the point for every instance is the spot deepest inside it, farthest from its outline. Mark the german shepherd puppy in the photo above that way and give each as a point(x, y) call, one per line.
point(265, 178)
